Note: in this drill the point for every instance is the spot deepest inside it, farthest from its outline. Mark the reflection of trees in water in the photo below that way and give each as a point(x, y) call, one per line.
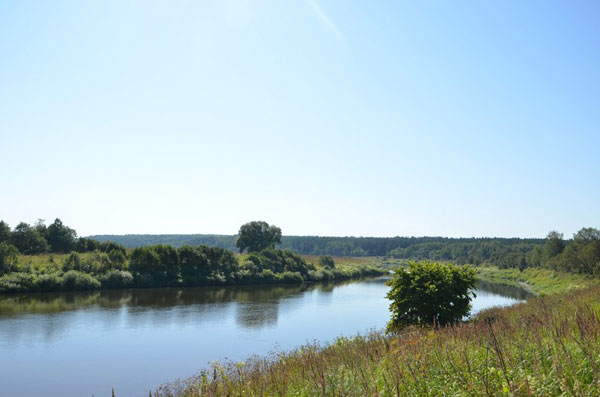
point(513, 291)
point(252, 306)
point(253, 315)
point(47, 302)
point(55, 302)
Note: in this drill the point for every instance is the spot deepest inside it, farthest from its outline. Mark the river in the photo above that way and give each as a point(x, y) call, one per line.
point(85, 343)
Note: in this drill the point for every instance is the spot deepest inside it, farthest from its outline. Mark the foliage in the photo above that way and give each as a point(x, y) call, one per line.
point(194, 265)
point(56, 237)
point(279, 261)
point(430, 293)
point(461, 250)
point(60, 237)
point(8, 258)
point(537, 280)
point(326, 261)
point(28, 240)
point(554, 245)
point(257, 236)
point(76, 280)
point(116, 279)
point(4, 232)
point(581, 255)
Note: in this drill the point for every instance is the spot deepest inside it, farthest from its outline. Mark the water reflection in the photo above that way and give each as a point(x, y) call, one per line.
point(512, 291)
point(254, 306)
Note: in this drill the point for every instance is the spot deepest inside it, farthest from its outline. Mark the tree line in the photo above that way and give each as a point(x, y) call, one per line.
point(503, 252)
point(578, 255)
point(39, 238)
point(580, 252)
point(110, 265)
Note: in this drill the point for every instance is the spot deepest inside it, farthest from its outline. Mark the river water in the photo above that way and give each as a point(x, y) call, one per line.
point(85, 343)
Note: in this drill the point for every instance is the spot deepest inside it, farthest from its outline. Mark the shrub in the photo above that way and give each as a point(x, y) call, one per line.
point(327, 262)
point(73, 262)
point(14, 282)
point(117, 279)
point(430, 293)
point(75, 280)
point(49, 282)
point(291, 278)
point(8, 258)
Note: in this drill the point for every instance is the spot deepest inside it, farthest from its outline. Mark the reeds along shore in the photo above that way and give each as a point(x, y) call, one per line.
point(546, 346)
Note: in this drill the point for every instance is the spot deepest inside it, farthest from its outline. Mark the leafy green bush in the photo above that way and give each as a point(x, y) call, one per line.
point(326, 261)
point(430, 293)
point(8, 258)
point(291, 278)
point(116, 279)
point(280, 261)
point(75, 280)
point(49, 282)
point(16, 281)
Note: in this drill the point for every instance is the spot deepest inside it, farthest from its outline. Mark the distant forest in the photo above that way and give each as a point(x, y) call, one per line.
point(503, 252)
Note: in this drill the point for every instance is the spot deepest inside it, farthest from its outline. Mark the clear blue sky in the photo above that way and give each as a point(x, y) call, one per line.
point(324, 117)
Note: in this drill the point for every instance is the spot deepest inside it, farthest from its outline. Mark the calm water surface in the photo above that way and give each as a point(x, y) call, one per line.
point(82, 344)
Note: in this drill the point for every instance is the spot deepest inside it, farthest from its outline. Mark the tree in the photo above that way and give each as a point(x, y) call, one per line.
point(257, 236)
point(554, 245)
point(144, 265)
point(41, 228)
point(8, 258)
point(60, 237)
point(28, 239)
point(169, 263)
point(194, 265)
point(326, 262)
point(4, 232)
point(587, 234)
point(430, 293)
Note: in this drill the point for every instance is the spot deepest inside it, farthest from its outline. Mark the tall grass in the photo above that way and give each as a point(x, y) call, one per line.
point(546, 346)
point(537, 280)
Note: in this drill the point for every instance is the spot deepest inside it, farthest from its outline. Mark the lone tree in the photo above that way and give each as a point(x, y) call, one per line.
point(257, 236)
point(430, 293)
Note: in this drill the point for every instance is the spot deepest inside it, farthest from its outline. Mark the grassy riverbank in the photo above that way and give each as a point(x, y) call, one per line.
point(536, 280)
point(549, 345)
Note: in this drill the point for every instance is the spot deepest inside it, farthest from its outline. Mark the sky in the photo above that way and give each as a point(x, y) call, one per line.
point(323, 117)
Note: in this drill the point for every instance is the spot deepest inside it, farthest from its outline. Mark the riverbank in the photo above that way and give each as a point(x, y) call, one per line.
point(186, 267)
point(549, 345)
point(535, 280)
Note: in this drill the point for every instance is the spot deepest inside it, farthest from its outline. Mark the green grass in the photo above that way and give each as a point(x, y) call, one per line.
point(548, 346)
point(536, 280)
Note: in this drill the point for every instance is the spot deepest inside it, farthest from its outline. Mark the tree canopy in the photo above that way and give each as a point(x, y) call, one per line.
point(257, 236)
point(430, 293)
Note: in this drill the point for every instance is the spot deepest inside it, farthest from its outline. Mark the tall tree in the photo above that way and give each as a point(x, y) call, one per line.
point(257, 236)
point(8, 258)
point(60, 237)
point(28, 240)
point(554, 245)
point(4, 232)
point(587, 234)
